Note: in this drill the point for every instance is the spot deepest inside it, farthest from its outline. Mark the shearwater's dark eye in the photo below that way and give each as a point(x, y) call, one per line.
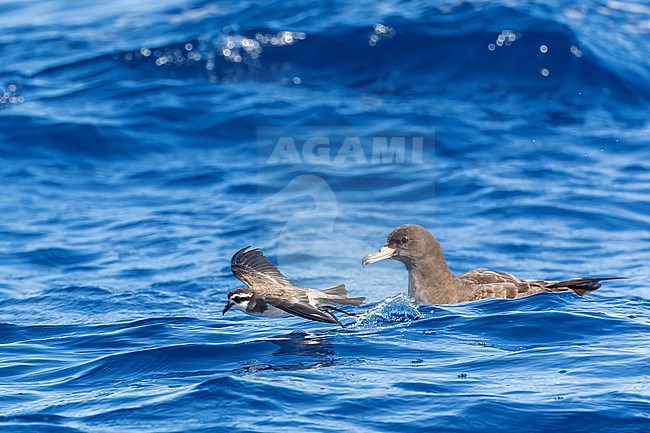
point(405, 239)
point(236, 299)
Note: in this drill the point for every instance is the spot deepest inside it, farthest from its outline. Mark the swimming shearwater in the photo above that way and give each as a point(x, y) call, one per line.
point(432, 282)
point(270, 294)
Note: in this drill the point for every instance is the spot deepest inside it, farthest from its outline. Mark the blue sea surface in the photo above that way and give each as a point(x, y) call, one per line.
point(139, 150)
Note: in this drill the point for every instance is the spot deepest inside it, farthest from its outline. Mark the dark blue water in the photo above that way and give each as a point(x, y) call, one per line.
point(136, 144)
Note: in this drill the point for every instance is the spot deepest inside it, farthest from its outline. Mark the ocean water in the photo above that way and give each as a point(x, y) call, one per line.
point(143, 143)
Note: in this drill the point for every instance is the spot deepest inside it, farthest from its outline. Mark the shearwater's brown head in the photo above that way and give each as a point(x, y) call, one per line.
point(430, 279)
point(408, 244)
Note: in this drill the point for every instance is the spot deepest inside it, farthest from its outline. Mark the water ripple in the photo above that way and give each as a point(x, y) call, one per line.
point(132, 168)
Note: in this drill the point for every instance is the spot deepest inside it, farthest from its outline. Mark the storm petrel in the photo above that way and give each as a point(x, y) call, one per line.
point(270, 294)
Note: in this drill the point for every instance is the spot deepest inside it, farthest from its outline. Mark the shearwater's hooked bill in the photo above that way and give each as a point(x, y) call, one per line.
point(270, 294)
point(432, 282)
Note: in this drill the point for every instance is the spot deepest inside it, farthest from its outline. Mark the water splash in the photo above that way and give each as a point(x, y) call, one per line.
point(396, 309)
point(381, 31)
point(227, 47)
point(9, 95)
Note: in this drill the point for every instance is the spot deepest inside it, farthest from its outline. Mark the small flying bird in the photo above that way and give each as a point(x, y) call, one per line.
point(432, 282)
point(270, 294)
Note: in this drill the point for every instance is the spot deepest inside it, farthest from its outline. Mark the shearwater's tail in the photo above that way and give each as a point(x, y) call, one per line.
point(581, 286)
point(339, 295)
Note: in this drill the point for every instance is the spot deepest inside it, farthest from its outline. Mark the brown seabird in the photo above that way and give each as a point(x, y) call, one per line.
point(270, 294)
point(432, 282)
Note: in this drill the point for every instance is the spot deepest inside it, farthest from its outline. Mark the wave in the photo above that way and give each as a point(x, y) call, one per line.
point(418, 59)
